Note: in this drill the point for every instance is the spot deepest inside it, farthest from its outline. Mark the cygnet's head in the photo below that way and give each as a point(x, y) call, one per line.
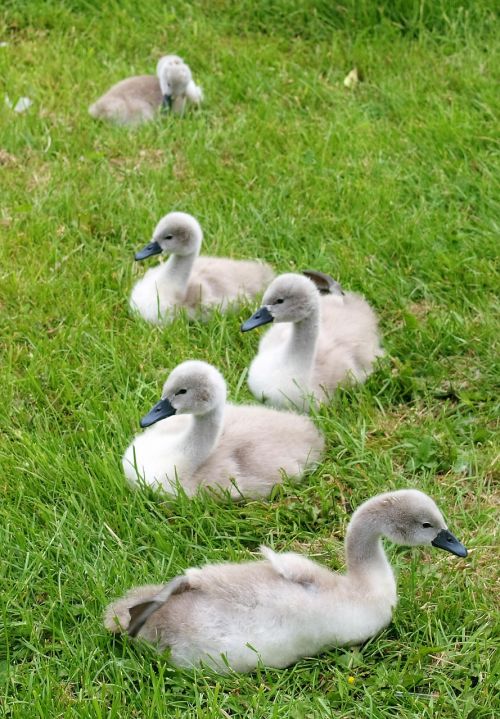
point(408, 517)
point(167, 60)
point(177, 233)
point(174, 76)
point(289, 298)
point(193, 387)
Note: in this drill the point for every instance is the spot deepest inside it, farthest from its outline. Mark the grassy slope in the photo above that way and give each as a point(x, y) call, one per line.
point(390, 188)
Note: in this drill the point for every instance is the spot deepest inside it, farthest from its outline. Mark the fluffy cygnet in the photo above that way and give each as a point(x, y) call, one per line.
point(138, 99)
point(204, 442)
point(286, 606)
point(318, 341)
point(186, 280)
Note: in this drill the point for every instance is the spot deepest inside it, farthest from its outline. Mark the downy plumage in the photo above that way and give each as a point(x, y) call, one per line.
point(286, 606)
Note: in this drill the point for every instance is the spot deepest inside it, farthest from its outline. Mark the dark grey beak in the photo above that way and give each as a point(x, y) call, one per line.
point(166, 103)
point(152, 249)
point(446, 540)
point(161, 410)
point(261, 317)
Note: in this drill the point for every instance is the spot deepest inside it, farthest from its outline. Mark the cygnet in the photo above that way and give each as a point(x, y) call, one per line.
point(194, 438)
point(317, 341)
point(138, 99)
point(189, 281)
point(284, 607)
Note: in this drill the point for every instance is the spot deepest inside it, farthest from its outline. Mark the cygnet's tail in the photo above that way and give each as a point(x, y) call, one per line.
point(101, 110)
point(130, 613)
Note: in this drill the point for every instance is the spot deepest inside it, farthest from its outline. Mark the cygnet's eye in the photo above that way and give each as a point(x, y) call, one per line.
point(168, 237)
point(426, 525)
point(181, 391)
point(280, 301)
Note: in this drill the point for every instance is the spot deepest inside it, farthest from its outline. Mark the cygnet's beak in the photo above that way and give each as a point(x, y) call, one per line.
point(152, 249)
point(161, 410)
point(446, 540)
point(261, 317)
point(166, 103)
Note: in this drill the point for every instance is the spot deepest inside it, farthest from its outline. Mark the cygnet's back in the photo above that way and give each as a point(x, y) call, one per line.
point(130, 101)
point(256, 446)
point(348, 342)
point(221, 281)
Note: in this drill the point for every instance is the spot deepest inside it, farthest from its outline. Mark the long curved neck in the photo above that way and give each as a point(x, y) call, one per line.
point(301, 348)
point(177, 269)
point(363, 546)
point(201, 436)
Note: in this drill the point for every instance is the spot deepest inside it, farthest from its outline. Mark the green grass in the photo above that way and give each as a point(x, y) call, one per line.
point(390, 188)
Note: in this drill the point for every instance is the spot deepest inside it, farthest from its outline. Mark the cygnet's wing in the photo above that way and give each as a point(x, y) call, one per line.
point(348, 342)
point(325, 284)
point(218, 280)
point(140, 613)
point(297, 568)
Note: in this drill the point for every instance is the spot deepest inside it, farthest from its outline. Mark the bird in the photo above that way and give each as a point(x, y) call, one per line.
point(138, 99)
point(198, 440)
point(189, 281)
point(322, 337)
point(235, 616)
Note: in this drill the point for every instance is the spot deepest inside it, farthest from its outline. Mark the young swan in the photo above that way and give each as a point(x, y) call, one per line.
point(204, 442)
point(188, 280)
point(287, 606)
point(138, 99)
point(327, 339)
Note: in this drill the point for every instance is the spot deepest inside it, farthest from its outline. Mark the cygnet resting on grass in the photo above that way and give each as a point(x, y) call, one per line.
point(204, 442)
point(286, 606)
point(186, 280)
point(318, 341)
point(138, 99)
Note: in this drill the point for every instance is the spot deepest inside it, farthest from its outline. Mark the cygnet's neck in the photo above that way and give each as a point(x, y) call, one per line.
point(201, 436)
point(177, 270)
point(365, 554)
point(301, 348)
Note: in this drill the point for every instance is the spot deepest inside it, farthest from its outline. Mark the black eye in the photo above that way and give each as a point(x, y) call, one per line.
point(168, 237)
point(181, 391)
point(279, 302)
point(426, 525)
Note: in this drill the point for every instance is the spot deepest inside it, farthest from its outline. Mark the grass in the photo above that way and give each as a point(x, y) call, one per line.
point(391, 188)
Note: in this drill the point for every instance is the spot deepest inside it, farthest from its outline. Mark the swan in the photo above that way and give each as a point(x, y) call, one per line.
point(137, 99)
point(285, 606)
point(188, 280)
point(204, 442)
point(318, 341)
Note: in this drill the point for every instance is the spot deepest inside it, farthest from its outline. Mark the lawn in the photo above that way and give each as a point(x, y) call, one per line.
point(388, 186)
